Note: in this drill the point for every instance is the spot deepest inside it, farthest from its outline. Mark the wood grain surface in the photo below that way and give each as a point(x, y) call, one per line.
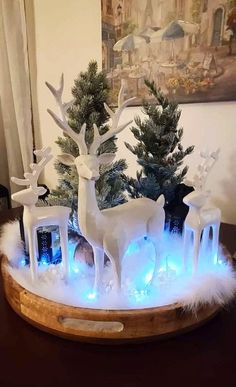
point(98, 325)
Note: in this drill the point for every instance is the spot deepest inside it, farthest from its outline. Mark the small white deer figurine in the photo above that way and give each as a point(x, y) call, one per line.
point(201, 217)
point(34, 217)
point(111, 230)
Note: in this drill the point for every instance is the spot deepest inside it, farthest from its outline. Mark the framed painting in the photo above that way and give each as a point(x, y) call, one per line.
point(187, 47)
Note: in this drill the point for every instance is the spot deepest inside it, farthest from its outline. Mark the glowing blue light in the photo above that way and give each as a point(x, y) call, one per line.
point(22, 262)
point(170, 269)
point(44, 260)
point(172, 266)
point(133, 248)
point(92, 296)
point(71, 249)
point(148, 277)
point(76, 269)
point(215, 260)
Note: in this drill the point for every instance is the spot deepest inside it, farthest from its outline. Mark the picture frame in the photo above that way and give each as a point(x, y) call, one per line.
point(186, 47)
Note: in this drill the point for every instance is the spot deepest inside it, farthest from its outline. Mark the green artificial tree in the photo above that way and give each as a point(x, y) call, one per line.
point(90, 92)
point(159, 150)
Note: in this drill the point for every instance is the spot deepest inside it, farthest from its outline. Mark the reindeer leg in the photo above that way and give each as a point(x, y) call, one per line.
point(24, 232)
point(117, 274)
point(186, 245)
point(215, 241)
point(116, 271)
point(31, 232)
point(99, 266)
point(26, 237)
point(155, 230)
point(157, 265)
point(64, 250)
point(205, 238)
point(115, 253)
point(196, 248)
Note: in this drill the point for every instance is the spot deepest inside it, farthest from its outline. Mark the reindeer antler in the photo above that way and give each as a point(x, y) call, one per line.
point(209, 160)
point(115, 117)
point(79, 138)
point(31, 179)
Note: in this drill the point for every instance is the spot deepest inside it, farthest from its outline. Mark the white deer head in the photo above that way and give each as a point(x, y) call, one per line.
point(88, 162)
point(199, 197)
point(29, 196)
point(203, 169)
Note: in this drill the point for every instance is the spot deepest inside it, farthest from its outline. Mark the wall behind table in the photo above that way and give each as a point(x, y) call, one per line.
point(206, 125)
point(67, 37)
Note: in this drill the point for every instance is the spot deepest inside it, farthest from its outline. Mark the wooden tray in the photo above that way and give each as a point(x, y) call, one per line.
point(98, 325)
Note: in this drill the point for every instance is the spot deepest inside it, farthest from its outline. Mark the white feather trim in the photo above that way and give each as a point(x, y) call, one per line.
point(215, 283)
point(10, 242)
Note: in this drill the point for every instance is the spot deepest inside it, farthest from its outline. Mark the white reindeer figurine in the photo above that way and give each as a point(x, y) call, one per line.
point(201, 217)
point(34, 217)
point(111, 230)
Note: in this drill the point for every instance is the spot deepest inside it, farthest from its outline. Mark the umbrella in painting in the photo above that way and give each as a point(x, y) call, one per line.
point(129, 43)
point(174, 30)
point(147, 33)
